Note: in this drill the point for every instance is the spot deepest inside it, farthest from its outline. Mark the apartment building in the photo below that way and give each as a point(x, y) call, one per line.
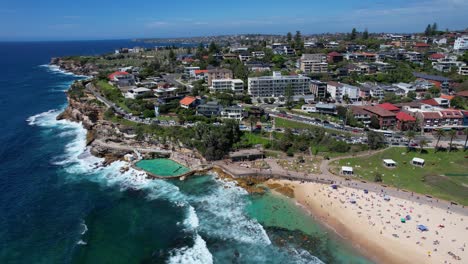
point(313, 63)
point(461, 43)
point(227, 85)
point(218, 73)
point(338, 91)
point(276, 85)
point(318, 89)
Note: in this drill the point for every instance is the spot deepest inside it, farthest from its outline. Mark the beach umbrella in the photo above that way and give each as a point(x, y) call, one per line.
point(366, 191)
point(408, 217)
point(387, 198)
point(403, 220)
point(334, 186)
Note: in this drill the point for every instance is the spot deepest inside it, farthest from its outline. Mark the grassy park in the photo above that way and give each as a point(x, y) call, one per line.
point(444, 175)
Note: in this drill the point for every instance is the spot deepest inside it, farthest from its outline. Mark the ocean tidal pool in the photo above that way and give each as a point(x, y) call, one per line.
point(162, 167)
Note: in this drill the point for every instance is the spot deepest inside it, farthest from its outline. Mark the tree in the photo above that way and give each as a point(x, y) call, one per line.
point(365, 34)
point(428, 30)
point(422, 144)
point(374, 122)
point(439, 133)
point(434, 29)
point(452, 133)
point(458, 102)
point(375, 140)
point(289, 37)
point(172, 56)
point(411, 95)
point(353, 34)
point(298, 40)
point(213, 48)
point(189, 50)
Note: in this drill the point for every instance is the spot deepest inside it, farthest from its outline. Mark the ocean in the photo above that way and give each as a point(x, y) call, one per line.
point(58, 206)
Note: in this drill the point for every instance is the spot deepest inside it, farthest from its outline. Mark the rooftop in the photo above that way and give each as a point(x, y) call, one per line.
point(402, 116)
point(379, 111)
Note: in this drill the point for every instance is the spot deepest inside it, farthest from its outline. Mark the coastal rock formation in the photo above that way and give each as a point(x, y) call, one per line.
point(75, 65)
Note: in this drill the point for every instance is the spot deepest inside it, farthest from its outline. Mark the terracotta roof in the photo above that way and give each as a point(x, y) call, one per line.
point(334, 54)
point(112, 75)
point(402, 116)
point(431, 115)
point(446, 96)
point(451, 114)
point(437, 56)
point(188, 100)
point(430, 102)
point(358, 110)
point(389, 107)
point(421, 45)
point(200, 71)
point(379, 111)
point(463, 93)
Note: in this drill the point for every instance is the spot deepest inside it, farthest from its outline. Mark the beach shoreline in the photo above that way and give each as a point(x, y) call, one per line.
point(347, 223)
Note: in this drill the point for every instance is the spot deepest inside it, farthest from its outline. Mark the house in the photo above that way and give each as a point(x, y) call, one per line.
point(421, 46)
point(448, 118)
point(334, 57)
point(440, 102)
point(245, 56)
point(439, 81)
point(436, 56)
point(233, 112)
point(209, 109)
point(218, 73)
point(230, 56)
point(463, 70)
point(189, 102)
point(386, 118)
point(461, 43)
point(405, 121)
point(390, 107)
point(413, 56)
point(360, 114)
point(463, 94)
point(257, 66)
point(258, 54)
point(121, 79)
point(201, 74)
point(134, 93)
point(190, 71)
point(313, 63)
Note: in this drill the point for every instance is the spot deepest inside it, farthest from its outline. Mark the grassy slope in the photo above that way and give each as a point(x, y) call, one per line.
point(430, 179)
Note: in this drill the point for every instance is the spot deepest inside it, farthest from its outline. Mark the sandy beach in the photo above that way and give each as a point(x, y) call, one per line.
point(373, 225)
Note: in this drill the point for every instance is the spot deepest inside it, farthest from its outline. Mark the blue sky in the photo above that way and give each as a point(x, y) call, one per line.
point(103, 19)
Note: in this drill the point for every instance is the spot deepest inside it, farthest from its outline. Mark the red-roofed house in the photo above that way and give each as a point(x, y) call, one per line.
point(430, 102)
point(430, 120)
point(421, 47)
point(390, 107)
point(451, 117)
point(334, 57)
point(405, 121)
point(436, 56)
point(113, 76)
point(189, 102)
point(201, 74)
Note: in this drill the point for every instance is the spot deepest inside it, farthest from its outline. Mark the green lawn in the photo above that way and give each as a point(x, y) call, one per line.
point(113, 94)
point(445, 175)
point(254, 139)
point(287, 123)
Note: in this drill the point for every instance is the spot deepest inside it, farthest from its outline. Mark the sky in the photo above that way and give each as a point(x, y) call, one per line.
point(104, 19)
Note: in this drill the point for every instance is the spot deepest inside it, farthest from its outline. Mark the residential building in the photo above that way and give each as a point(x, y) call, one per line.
point(461, 43)
point(258, 54)
point(190, 71)
point(439, 81)
point(405, 121)
point(257, 66)
point(209, 109)
point(218, 73)
point(233, 112)
point(227, 85)
point(338, 91)
point(318, 89)
point(134, 93)
point(386, 118)
point(276, 85)
point(327, 109)
point(121, 79)
point(360, 114)
point(189, 102)
point(334, 57)
point(245, 56)
point(389, 107)
point(201, 74)
point(463, 70)
point(421, 46)
point(413, 56)
point(313, 63)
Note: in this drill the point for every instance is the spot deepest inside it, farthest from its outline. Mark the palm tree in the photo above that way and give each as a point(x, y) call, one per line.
point(466, 139)
point(422, 144)
point(452, 133)
point(439, 133)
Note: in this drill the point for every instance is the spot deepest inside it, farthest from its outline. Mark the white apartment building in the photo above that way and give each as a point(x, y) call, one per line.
point(463, 70)
point(227, 85)
point(232, 112)
point(313, 63)
point(275, 86)
point(339, 90)
point(461, 43)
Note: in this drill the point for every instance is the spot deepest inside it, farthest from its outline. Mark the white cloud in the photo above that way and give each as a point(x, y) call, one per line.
point(157, 24)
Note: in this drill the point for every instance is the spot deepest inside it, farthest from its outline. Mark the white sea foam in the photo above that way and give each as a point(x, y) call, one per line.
point(85, 228)
point(198, 253)
point(81, 242)
point(57, 70)
point(192, 222)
